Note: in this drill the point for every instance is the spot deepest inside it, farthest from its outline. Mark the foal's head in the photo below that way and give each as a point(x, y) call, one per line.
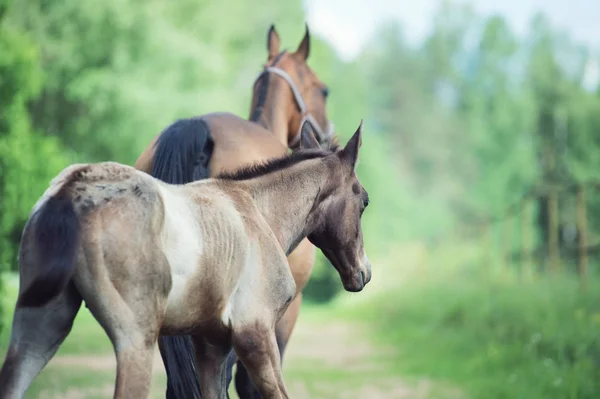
point(336, 218)
point(288, 72)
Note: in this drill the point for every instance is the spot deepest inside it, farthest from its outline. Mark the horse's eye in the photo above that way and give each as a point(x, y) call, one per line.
point(325, 92)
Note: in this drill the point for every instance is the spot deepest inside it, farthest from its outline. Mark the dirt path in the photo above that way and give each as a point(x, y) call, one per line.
point(341, 346)
point(323, 360)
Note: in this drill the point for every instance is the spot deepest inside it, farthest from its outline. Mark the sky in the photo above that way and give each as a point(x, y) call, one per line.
point(348, 24)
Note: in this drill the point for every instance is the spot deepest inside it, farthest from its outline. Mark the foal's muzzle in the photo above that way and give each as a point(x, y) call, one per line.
point(354, 272)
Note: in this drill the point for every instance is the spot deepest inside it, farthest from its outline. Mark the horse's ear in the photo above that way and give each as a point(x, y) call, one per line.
point(307, 139)
point(350, 152)
point(304, 47)
point(273, 42)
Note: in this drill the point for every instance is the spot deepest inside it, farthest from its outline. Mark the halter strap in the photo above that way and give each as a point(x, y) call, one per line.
point(322, 137)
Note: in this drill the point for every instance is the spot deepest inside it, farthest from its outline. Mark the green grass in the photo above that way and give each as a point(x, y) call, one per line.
point(495, 339)
point(56, 381)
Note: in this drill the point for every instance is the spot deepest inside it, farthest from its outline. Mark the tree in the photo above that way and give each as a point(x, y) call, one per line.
point(27, 160)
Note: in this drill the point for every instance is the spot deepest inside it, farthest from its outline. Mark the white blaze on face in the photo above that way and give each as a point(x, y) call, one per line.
point(366, 265)
point(364, 260)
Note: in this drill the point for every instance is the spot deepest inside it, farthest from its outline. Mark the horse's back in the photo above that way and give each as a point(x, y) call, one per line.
point(237, 142)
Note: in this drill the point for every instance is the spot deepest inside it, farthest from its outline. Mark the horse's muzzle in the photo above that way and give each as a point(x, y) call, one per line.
point(356, 283)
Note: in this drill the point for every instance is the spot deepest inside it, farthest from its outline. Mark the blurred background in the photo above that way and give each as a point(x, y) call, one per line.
point(481, 156)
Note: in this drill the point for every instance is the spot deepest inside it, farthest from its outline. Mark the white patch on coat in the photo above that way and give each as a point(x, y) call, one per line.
point(245, 293)
point(181, 240)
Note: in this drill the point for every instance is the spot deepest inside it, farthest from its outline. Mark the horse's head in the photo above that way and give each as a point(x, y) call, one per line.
point(336, 220)
point(294, 86)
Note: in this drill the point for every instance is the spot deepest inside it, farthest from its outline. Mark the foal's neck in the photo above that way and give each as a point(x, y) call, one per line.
point(286, 199)
point(275, 114)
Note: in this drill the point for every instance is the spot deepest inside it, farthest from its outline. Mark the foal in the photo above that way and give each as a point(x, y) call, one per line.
point(206, 259)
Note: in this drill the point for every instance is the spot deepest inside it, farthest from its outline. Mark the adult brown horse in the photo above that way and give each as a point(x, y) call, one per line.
point(286, 94)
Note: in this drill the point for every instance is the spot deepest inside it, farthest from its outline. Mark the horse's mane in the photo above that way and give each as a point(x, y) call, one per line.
point(262, 91)
point(276, 164)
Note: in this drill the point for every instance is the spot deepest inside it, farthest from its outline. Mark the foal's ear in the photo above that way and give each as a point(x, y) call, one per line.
point(304, 47)
point(350, 152)
point(307, 139)
point(273, 42)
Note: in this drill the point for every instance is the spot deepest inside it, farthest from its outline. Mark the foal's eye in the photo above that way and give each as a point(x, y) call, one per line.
point(365, 203)
point(325, 92)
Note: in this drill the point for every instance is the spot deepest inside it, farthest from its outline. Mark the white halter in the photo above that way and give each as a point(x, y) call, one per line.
point(322, 137)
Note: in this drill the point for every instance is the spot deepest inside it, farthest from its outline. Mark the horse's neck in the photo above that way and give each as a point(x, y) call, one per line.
point(275, 112)
point(286, 198)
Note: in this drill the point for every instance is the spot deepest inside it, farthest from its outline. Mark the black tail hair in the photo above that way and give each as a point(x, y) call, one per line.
point(183, 151)
point(55, 241)
point(182, 155)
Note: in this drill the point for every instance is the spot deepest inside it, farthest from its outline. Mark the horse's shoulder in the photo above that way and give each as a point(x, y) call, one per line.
point(242, 205)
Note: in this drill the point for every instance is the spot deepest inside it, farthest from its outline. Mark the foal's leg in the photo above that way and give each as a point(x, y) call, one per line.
point(36, 335)
point(211, 361)
point(257, 348)
point(301, 262)
point(131, 323)
point(131, 314)
point(133, 340)
point(283, 329)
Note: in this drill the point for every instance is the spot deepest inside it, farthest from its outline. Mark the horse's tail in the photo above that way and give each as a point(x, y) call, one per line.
point(51, 244)
point(182, 155)
point(183, 151)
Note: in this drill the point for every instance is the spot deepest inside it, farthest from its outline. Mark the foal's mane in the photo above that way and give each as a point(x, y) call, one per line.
point(276, 164)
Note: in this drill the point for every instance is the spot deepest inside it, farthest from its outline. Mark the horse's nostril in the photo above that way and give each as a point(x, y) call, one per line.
point(364, 279)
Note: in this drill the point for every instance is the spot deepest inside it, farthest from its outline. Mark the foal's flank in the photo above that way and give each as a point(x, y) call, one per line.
point(206, 259)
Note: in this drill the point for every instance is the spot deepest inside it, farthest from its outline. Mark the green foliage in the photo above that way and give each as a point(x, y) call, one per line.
point(27, 160)
point(475, 117)
point(324, 282)
point(496, 339)
point(119, 71)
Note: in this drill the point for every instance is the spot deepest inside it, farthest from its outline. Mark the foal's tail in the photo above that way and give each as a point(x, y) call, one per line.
point(51, 239)
point(181, 155)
